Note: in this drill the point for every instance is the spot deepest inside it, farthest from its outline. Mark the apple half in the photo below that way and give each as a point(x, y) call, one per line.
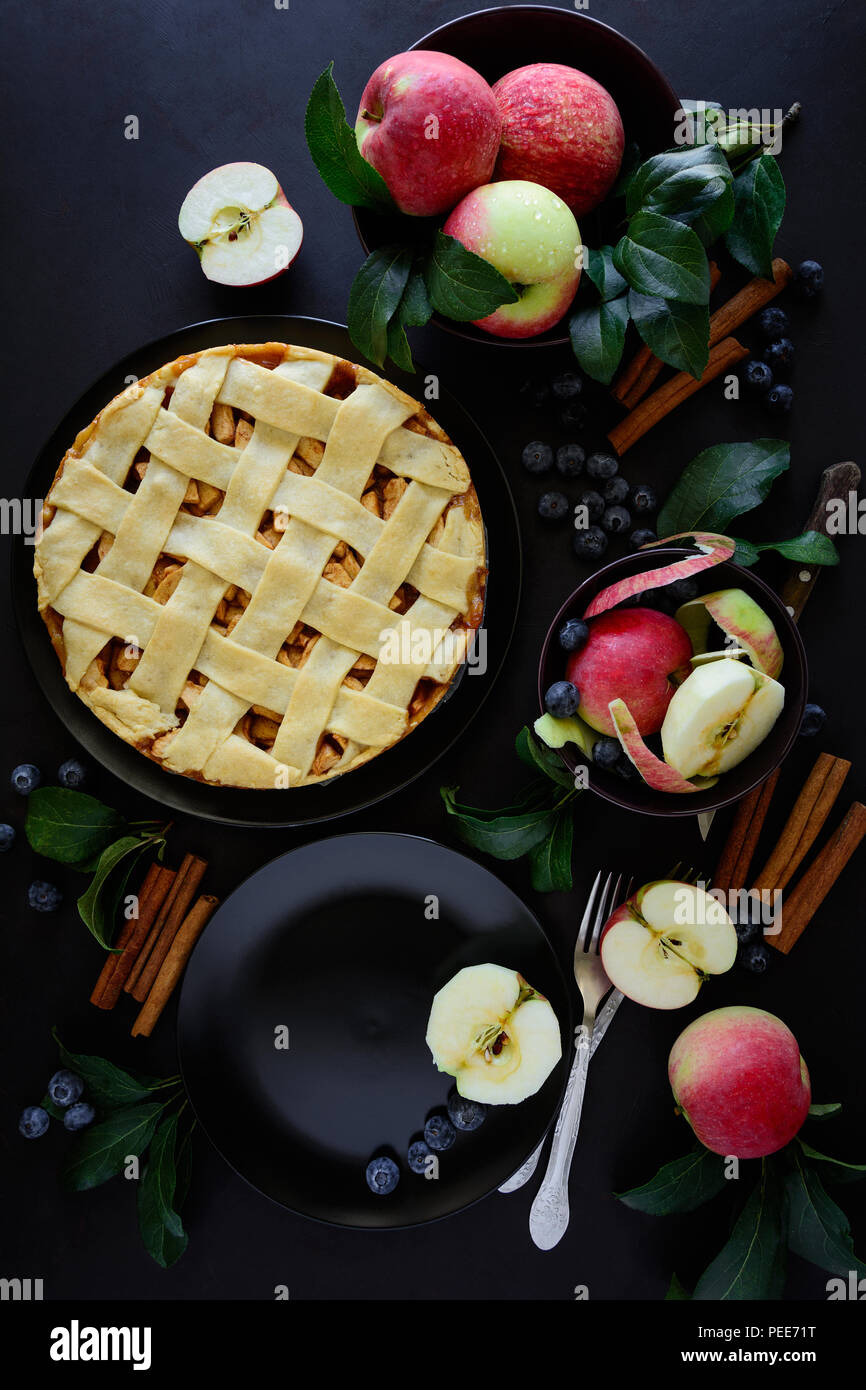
point(495, 1034)
point(713, 550)
point(660, 946)
point(718, 716)
point(739, 617)
point(241, 225)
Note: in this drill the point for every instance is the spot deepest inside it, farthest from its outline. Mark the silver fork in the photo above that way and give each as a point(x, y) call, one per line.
point(548, 1218)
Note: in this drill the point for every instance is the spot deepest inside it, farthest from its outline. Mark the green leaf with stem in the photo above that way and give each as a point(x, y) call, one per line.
point(550, 861)
point(818, 1230)
point(660, 256)
point(374, 297)
point(332, 144)
point(722, 483)
point(598, 337)
point(68, 826)
point(101, 1151)
point(682, 1185)
point(759, 205)
point(752, 1263)
point(461, 285)
point(678, 334)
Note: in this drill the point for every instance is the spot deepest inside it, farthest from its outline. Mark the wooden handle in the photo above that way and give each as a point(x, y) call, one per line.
point(836, 483)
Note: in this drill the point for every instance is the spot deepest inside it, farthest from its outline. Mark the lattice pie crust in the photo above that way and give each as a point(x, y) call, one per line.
point(261, 565)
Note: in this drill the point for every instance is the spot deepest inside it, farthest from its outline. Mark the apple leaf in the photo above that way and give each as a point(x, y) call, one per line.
point(70, 826)
point(413, 311)
point(677, 333)
point(812, 548)
point(752, 1264)
point(677, 1292)
point(541, 758)
point(824, 1112)
point(682, 1185)
point(503, 834)
point(603, 273)
point(680, 183)
point(550, 861)
point(818, 1230)
point(332, 144)
point(759, 205)
point(462, 285)
point(373, 299)
point(722, 483)
point(100, 1151)
point(660, 256)
point(835, 1169)
point(598, 337)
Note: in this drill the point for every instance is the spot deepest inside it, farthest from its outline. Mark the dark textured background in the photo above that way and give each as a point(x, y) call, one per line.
point(96, 267)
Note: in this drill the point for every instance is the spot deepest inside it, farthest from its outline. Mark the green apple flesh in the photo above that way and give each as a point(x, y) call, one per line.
point(660, 946)
point(655, 773)
point(557, 732)
point(718, 716)
point(494, 1034)
point(739, 617)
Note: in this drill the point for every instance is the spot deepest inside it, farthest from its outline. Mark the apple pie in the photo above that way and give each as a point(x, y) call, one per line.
point(261, 565)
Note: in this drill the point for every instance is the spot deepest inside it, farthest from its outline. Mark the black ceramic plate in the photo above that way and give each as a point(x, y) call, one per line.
point(334, 942)
point(391, 770)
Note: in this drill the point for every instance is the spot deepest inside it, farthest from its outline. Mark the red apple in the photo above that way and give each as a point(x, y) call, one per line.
point(562, 129)
point(738, 1077)
point(430, 125)
point(630, 654)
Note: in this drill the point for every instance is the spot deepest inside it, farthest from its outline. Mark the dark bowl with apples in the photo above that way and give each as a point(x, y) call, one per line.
point(633, 794)
point(498, 41)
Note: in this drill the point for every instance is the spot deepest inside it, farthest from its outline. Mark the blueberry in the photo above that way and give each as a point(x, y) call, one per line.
point(65, 1087)
point(757, 376)
point(383, 1174)
point(682, 590)
point(573, 634)
point(7, 837)
point(570, 459)
point(643, 499)
point(535, 393)
point(537, 457)
point(439, 1132)
point(602, 466)
point(72, 774)
point(26, 778)
point(616, 520)
point(553, 506)
point(589, 544)
point(594, 503)
point(615, 489)
point(44, 897)
point(33, 1122)
point(625, 768)
point(773, 323)
point(779, 400)
point(561, 699)
point(754, 957)
point(573, 416)
point(465, 1114)
point(746, 930)
point(567, 386)
point(779, 354)
point(606, 752)
point(808, 279)
point(660, 600)
point(417, 1156)
point(79, 1116)
point(813, 721)
point(642, 536)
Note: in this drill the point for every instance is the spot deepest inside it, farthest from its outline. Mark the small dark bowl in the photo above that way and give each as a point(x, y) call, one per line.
point(635, 795)
point(495, 42)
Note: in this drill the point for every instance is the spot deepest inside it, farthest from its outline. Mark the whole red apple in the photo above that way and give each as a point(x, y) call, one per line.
point(739, 1079)
point(430, 125)
point(560, 128)
point(630, 654)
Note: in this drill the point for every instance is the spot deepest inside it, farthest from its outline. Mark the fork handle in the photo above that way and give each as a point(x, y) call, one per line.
point(548, 1219)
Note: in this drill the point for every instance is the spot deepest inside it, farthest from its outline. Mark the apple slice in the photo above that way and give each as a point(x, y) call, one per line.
point(655, 773)
point(718, 716)
point(714, 549)
point(740, 617)
point(660, 946)
point(496, 1035)
point(702, 658)
point(557, 732)
point(241, 225)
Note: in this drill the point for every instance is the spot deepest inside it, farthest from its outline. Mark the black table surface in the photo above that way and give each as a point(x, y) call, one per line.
point(95, 267)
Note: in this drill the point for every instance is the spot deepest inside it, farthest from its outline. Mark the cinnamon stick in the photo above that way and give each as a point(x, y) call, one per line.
point(739, 848)
point(819, 878)
point(661, 402)
point(110, 983)
point(752, 297)
point(123, 935)
point(641, 372)
point(807, 817)
point(173, 965)
point(193, 871)
point(144, 954)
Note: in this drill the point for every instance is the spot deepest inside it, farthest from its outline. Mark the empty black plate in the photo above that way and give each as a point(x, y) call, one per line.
point(391, 770)
point(339, 943)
